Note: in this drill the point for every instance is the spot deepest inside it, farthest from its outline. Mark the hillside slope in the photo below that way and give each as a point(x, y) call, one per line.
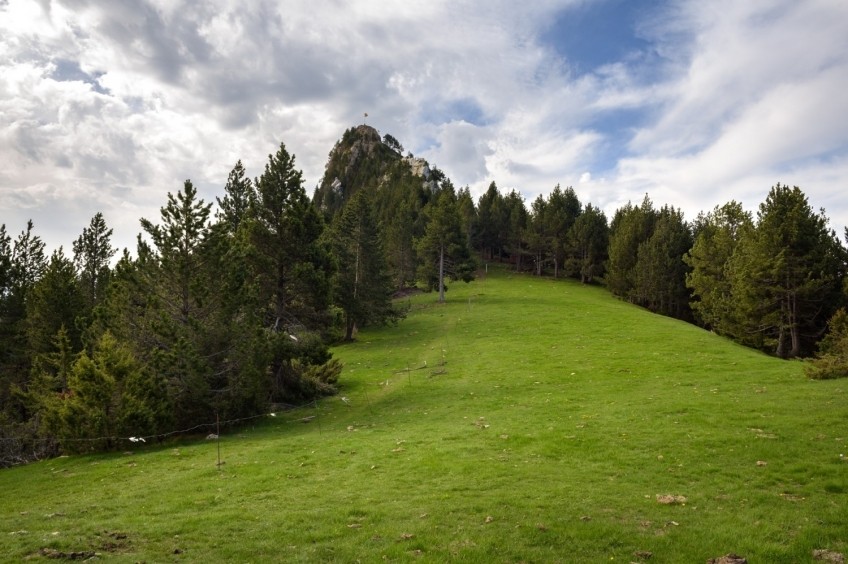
point(524, 420)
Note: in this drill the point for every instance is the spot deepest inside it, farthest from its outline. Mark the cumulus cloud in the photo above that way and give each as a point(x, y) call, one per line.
point(108, 106)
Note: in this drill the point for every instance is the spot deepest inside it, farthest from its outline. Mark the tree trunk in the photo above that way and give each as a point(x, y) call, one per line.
point(441, 274)
point(794, 332)
point(350, 327)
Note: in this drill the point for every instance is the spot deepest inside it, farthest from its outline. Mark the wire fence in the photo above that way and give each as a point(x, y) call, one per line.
point(7, 442)
point(213, 427)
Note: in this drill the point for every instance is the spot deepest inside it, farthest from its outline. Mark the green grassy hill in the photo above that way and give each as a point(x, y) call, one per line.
point(526, 420)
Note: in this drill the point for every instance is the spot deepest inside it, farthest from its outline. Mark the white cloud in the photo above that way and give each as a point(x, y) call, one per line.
point(761, 102)
point(748, 95)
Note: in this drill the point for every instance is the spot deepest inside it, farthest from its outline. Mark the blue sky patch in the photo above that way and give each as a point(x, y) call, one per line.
point(68, 71)
point(594, 34)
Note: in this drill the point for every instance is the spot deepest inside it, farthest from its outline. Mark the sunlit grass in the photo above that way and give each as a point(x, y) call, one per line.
point(525, 420)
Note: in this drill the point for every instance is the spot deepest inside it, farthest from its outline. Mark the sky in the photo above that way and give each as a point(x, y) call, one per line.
point(108, 106)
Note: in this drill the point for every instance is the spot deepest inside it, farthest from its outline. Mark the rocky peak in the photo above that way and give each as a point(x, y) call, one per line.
point(418, 166)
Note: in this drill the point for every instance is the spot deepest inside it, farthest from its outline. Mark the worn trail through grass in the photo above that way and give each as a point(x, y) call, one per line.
point(525, 420)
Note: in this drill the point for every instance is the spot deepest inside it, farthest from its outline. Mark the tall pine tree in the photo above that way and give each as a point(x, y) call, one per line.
point(443, 248)
point(362, 285)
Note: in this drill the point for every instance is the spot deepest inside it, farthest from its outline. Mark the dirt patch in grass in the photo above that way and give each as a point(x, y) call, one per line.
point(828, 556)
point(728, 559)
point(111, 541)
point(668, 499)
point(107, 541)
point(62, 555)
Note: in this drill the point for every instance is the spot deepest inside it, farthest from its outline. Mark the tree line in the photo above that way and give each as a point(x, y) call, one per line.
point(230, 309)
point(216, 314)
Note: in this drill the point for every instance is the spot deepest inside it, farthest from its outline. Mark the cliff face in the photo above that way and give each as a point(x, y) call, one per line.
point(358, 160)
point(362, 160)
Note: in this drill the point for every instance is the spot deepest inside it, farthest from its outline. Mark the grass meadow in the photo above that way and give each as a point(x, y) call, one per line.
point(526, 420)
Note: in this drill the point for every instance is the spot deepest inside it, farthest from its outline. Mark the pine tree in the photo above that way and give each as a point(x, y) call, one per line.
point(516, 226)
point(93, 252)
point(718, 234)
point(491, 223)
point(660, 278)
point(787, 275)
point(443, 248)
point(239, 199)
point(292, 268)
point(23, 262)
point(362, 284)
point(286, 236)
point(538, 235)
point(590, 236)
point(56, 300)
point(564, 209)
point(631, 226)
point(176, 284)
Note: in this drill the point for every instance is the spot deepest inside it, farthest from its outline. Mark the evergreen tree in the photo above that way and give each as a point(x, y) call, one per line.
point(631, 226)
point(239, 199)
point(443, 248)
point(293, 270)
point(92, 253)
point(590, 237)
point(787, 275)
point(491, 223)
point(23, 262)
point(286, 236)
point(564, 209)
point(362, 284)
point(107, 394)
point(832, 358)
point(538, 237)
point(660, 279)
point(468, 214)
point(516, 226)
point(56, 300)
point(175, 279)
point(718, 234)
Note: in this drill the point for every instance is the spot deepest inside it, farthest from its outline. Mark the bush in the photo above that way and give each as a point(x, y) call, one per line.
point(832, 360)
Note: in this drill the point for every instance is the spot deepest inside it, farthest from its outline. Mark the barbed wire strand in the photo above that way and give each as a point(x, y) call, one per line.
point(212, 424)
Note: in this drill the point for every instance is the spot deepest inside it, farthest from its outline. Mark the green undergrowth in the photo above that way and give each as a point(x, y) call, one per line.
point(526, 420)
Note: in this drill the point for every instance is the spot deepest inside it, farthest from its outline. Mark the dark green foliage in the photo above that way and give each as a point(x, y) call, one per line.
point(492, 217)
point(23, 263)
point(660, 278)
point(292, 263)
point(56, 300)
point(176, 282)
point(392, 143)
point(832, 359)
point(788, 274)
point(537, 236)
point(631, 226)
point(563, 211)
point(93, 252)
point(443, 249)
point(590, 236)
point(362, 285)
point(398, 204)
point(717, 235)
point(106, 395)
point(293, 270)
point(516, 226)
point(239, 199)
